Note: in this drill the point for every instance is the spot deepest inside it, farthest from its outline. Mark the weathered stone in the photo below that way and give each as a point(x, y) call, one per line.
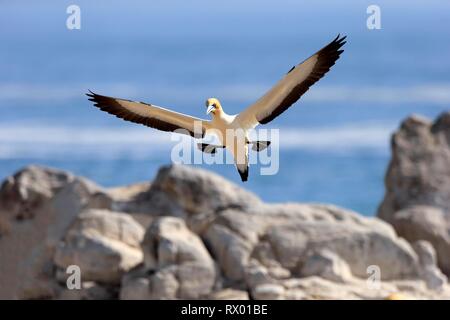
point(291, 231)
point(88, 291)
point(29, 189)
point(417, 198)
point(206, 239)
point(228, 294)
point(268, 292)
point(326, 264)
point(181, 265)
point(317, 288)
point(104, 244)
point(37, 205)
point(429, 271)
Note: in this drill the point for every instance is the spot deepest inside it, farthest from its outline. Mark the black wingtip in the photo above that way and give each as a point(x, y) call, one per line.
point(338, 43)
point(340, 40)
point(90, 94)
point(243, 174)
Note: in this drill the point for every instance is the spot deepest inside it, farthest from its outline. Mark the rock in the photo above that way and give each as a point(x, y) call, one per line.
point(147, 284)
point(317, 288)
point(430, 273)
point(264, 254)
point(228, 294)
point(104, 244)
point(291, 231)
point(126, 194)
point(29, 189)
point(135, 285)
point(178, 264)
point(24, 193)
point(268, 292)
point(326, 264)
point(89, 291)
point(131, 199)
point(256, 274)
point(206, 238)
point(37, 205)
point(417, 198)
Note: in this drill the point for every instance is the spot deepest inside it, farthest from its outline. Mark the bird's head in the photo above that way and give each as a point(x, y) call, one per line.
point(213, 106)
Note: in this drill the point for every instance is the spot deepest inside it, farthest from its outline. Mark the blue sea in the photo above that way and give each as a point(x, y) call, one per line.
point(334, 143)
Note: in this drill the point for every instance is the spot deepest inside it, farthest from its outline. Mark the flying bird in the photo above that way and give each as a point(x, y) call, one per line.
point(274, 102)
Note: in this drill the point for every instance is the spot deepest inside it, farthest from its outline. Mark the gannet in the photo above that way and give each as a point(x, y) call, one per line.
point(274, 102)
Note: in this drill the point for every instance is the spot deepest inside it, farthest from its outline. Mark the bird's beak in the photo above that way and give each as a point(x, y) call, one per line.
point(210, 108)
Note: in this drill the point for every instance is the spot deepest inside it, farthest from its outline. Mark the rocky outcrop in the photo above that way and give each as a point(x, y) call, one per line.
point(191, 234)
point(177, 261)
point(104, 244)
point(37, 206)
point(282, 237)
point(417, 199)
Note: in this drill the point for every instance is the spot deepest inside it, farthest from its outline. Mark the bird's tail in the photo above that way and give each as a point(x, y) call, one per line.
point(243, 172)
point(241, 161)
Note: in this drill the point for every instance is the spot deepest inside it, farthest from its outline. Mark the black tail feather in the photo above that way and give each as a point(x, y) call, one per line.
point(243, 174)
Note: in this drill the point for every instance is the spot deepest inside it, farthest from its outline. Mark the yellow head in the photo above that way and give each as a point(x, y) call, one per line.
point(213, 106)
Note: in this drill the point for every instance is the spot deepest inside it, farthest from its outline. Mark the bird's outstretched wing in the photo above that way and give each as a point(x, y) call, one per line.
point(150, 115)
point(292, 86)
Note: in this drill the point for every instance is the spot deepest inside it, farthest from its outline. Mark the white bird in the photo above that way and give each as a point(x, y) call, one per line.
point(279, 98)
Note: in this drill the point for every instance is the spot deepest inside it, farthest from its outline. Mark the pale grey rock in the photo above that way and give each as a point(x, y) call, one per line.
point(429, 271)
point(88, 291)
point(417, 198)
point(228, 294)
point(257, 274)
point(104, 244)
point(327, 265)
point(29, 189)
point(268, 292)
point(136, 288)
point(206, 239)
point(147, 284)
point(37, 205)
point(291, 231)
point(180, 265)
point(317, 288)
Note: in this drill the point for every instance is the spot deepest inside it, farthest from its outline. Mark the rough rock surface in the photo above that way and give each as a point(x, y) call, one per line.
point(37, 205)
point(104, 244)
point(179, 264)
point(417, 199)
point(327, 265)
point(89, 291)
point(205, 238)
point(282, 236)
